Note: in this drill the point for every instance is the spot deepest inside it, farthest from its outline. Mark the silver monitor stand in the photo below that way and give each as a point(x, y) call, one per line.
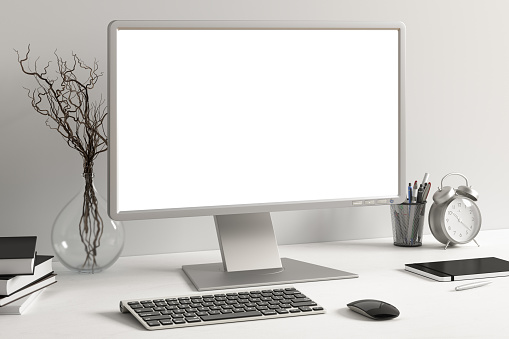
point(251, 258)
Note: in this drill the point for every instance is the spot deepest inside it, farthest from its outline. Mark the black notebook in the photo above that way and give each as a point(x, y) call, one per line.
point(463, 269)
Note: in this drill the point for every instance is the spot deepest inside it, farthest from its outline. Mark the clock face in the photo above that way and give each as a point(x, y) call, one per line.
point(462, 220)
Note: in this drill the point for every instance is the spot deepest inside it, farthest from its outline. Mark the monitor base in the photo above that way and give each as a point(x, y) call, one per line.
point(206, 277)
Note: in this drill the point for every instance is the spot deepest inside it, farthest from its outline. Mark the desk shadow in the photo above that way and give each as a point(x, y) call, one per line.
point(380, 243)
point(123, 318)
point(402, 270)
point(348, 313)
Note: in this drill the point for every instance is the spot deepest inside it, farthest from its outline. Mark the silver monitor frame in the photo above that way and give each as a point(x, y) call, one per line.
point(237, 225)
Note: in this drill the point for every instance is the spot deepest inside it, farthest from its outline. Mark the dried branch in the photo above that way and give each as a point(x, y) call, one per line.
point(65, 101)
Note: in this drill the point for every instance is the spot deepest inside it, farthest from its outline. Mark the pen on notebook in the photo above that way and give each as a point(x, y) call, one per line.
point(472, 285)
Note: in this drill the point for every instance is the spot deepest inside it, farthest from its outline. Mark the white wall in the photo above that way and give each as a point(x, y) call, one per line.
point(457, 109)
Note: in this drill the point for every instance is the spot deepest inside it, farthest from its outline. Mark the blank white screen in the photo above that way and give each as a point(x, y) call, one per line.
point(234, 117)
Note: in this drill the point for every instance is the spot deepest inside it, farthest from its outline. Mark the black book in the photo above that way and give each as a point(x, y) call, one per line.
point(11, 283)
point(17, 255)
point(464, 269)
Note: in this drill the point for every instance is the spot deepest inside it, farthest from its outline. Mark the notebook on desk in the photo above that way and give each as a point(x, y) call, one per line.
point(464, 269)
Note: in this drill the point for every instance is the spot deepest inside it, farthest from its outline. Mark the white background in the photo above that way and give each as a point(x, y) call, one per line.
point(457, 109)
point(234, 117)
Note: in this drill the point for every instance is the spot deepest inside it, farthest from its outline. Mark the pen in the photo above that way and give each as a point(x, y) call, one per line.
point(426, 178)
point(426, 192)
point(414, 198)
point(420, 194)
point(472, 285)
point(409, 193)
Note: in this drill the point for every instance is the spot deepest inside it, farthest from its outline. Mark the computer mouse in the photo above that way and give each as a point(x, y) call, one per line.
point(374, 309)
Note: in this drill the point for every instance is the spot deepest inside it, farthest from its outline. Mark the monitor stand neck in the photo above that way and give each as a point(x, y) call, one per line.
point(247, 242)
point(251, 258)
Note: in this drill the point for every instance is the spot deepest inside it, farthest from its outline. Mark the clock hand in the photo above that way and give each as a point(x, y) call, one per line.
point(461, 221)
point(456, 216)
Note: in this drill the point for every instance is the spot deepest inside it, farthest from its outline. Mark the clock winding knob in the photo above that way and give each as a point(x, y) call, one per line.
point(443, 194)
point(468, 192)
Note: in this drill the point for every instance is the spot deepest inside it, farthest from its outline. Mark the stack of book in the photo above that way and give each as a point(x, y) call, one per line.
point(23, 273)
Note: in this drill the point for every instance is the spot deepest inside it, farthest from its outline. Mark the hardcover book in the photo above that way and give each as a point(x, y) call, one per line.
point(17, 255)
point(21, 305)
point(35, 286)
point(11, 283)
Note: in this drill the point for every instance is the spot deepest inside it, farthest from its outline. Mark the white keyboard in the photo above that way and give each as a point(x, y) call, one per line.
point(206, 309)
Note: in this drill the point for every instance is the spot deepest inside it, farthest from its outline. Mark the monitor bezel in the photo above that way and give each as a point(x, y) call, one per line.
point(113, 210)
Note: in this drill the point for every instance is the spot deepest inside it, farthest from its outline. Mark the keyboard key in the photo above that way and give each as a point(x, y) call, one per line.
point(157, 317)
point(231, 316)
point(304, 303)
point(268, 312)
point(193, 320)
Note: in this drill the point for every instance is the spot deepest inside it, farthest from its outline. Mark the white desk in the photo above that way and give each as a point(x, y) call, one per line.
point(86, 306)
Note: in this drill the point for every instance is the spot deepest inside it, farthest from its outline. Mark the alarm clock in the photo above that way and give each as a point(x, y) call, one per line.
point(454, 218)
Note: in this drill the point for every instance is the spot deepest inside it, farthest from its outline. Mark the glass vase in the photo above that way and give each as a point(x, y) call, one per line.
point(84, 238)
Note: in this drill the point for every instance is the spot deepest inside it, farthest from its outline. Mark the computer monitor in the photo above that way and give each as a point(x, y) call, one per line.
point(237, 119)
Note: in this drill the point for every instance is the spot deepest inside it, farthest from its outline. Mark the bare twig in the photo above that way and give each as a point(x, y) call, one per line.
point(65, 101)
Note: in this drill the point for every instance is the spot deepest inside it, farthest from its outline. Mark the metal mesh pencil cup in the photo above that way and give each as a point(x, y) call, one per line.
point(407, 223)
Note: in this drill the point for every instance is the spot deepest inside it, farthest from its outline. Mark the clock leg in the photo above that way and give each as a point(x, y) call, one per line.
point(476, 243)
point(446, 245)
